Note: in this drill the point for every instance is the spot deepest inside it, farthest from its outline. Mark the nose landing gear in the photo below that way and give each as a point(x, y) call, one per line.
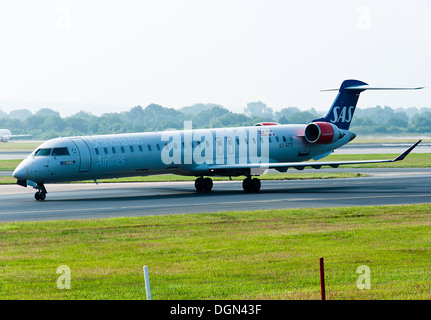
point(39, 195)
point(41, 192)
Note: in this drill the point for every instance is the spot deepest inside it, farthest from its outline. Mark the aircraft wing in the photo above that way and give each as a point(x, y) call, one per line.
point(20, 136)
point(283, 166)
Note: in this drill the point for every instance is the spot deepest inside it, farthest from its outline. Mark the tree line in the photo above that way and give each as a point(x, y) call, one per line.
point(47, 123)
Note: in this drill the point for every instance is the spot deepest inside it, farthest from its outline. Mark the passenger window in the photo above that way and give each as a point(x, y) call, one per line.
point(276, 139)
point(113, 150)
point(140, 148)
point(97, 151)
point(158, 147)
point(131, 149)
point(60, 152)
point(105, 150)
point(149, 147)
point(43, 152)
point(122, 149)
point(284, 139)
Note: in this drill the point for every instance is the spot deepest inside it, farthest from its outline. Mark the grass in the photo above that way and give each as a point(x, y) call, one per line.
point(9, 165)
point(389, 139)
point(19, 145)
point(413, 160)
point(271, 254)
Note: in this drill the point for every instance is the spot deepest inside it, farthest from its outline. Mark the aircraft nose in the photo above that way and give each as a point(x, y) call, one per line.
point(20, 173)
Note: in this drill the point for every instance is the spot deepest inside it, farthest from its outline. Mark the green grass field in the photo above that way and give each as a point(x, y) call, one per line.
point(227, 255)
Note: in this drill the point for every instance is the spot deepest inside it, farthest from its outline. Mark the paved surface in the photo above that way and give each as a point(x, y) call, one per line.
point(84, 201)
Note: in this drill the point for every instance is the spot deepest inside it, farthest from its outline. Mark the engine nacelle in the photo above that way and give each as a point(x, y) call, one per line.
point(322, 132)
point(266, 124)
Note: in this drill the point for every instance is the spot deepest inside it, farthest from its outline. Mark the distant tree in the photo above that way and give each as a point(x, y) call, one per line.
point(21, 114)
point(198, 107)
point(397, 122)
point(284, 114)
point(46, 112)
point(258, 109)
point(421, 123)
point(303, 117)
point(3, 115)
point(203, 119)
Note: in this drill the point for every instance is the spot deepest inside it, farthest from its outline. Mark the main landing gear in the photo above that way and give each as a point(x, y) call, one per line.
point(41, 192)
point(249, 184)
point(203, 184)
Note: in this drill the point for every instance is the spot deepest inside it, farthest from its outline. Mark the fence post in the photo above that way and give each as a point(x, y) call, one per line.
point(147, 283)
point(322, 279)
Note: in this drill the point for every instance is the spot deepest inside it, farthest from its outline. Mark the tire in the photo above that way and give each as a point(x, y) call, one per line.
point(207, 184)
point(246, 184)
point(199, 184)
point(255, 185)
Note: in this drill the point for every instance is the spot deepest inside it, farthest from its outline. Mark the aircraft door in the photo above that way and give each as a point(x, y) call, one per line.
point(84, 155)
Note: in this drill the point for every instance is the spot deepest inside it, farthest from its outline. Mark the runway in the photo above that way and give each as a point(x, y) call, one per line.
point(88, 201)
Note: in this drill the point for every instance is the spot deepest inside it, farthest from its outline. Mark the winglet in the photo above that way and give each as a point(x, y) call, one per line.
point(405, 153)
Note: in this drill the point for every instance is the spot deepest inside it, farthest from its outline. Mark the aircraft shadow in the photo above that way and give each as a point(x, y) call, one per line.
point(169, 194)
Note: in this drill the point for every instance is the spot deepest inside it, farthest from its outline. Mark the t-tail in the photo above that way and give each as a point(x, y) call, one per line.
point(343, 108)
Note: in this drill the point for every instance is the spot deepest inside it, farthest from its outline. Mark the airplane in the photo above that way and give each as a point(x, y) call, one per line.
point(5, 135)
point(203, 153)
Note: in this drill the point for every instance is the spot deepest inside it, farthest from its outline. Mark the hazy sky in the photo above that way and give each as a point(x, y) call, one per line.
point(108, 56)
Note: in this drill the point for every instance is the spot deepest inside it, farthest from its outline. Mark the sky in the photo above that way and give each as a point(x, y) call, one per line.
point(109, 56)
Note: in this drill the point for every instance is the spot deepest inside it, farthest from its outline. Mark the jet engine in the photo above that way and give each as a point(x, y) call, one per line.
point(322, 132)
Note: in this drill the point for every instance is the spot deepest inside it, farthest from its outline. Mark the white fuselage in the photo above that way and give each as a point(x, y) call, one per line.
point(186, 152)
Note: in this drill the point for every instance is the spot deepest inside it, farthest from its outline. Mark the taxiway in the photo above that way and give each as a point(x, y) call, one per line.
point(88, 201)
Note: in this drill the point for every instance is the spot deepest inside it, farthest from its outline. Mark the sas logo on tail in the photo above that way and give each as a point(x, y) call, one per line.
point(343, 115)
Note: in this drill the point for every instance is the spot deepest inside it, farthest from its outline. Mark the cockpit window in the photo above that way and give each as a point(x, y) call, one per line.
point(60, 152)
point(43, 152)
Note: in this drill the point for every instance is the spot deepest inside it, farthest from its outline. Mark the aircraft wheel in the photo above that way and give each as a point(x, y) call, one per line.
point(207, 184)
point(199, 184)
point(251, 185)
point(246, 184)
point(255, 184)
point(40, 196)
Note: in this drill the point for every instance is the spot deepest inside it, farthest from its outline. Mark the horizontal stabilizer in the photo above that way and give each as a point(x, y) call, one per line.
point(368, 87)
